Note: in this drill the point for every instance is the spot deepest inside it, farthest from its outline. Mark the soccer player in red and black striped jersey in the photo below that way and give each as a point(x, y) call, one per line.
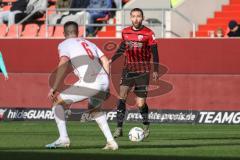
point(139, 47)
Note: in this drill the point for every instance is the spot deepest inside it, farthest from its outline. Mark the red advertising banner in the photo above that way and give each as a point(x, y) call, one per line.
point(199, 74)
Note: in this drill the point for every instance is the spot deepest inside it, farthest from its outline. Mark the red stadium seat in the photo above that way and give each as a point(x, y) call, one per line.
point(42, 31)
point(7, 8)
point(220, 20)
point(81, 30)
point(13, 31)
point(2, 30)
point(8, 1)
point(30, 30)
point(107, 31)
point(58, 32)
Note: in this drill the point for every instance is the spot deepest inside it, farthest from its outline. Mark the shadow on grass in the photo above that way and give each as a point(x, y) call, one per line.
point(39, 153)
point(205, 138)
point(122, 147)
point(111, 155)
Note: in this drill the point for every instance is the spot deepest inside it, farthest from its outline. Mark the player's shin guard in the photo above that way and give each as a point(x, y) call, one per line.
point(144, 113)
point(121, 109)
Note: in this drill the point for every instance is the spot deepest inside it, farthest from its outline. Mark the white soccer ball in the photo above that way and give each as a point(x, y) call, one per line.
point(136, 134)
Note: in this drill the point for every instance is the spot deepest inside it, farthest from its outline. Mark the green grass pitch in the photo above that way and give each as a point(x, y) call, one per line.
point(26, 140)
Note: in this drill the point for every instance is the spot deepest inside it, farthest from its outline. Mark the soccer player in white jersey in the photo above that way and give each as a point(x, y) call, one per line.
point(91, 66)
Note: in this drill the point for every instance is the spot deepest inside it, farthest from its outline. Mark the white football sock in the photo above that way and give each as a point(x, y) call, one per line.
point(59, 116)
point(101, 120)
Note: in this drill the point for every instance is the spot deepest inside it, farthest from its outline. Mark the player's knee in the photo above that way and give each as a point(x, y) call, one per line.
point(123, 93)
point(60, 101)
point(123, 96)
point(140, 103)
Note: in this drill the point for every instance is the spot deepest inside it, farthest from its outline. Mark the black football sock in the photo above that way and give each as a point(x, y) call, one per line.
point(144, 113)
point(121, 109)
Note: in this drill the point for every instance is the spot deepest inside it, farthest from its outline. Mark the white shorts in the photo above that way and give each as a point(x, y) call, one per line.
point(80, 91)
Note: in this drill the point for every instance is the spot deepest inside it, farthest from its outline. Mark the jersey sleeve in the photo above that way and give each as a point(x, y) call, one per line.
point(63, 51)
point(121, 49)
point(152, 39)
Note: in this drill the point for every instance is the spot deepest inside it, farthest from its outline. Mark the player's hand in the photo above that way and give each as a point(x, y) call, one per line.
point(155, 76)
point(52, 95)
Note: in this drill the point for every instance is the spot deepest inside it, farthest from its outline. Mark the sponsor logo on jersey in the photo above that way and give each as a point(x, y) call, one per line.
point(153, 37)
point(133, 44)
point(140, 37)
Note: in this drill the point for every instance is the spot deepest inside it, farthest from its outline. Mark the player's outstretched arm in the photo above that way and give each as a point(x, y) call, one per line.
point(60, 73)
point(105, 64)
point(62, 67)
point(155, 61)
point(119, 52)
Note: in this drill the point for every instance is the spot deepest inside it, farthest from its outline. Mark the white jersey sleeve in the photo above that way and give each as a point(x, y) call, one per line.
point(63, 50)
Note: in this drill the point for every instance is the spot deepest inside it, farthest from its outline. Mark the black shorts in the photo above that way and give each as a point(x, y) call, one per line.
point(140, 81)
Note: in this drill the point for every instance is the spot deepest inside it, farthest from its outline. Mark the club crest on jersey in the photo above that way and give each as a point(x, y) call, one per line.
point(153, 37)
point(140, 37)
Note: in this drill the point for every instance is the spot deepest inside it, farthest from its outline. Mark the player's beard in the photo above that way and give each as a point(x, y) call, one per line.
point(137, 25)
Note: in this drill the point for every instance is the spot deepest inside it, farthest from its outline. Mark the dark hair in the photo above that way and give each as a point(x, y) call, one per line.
point(232, 24)
point(71, 27)
point(137, 10)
